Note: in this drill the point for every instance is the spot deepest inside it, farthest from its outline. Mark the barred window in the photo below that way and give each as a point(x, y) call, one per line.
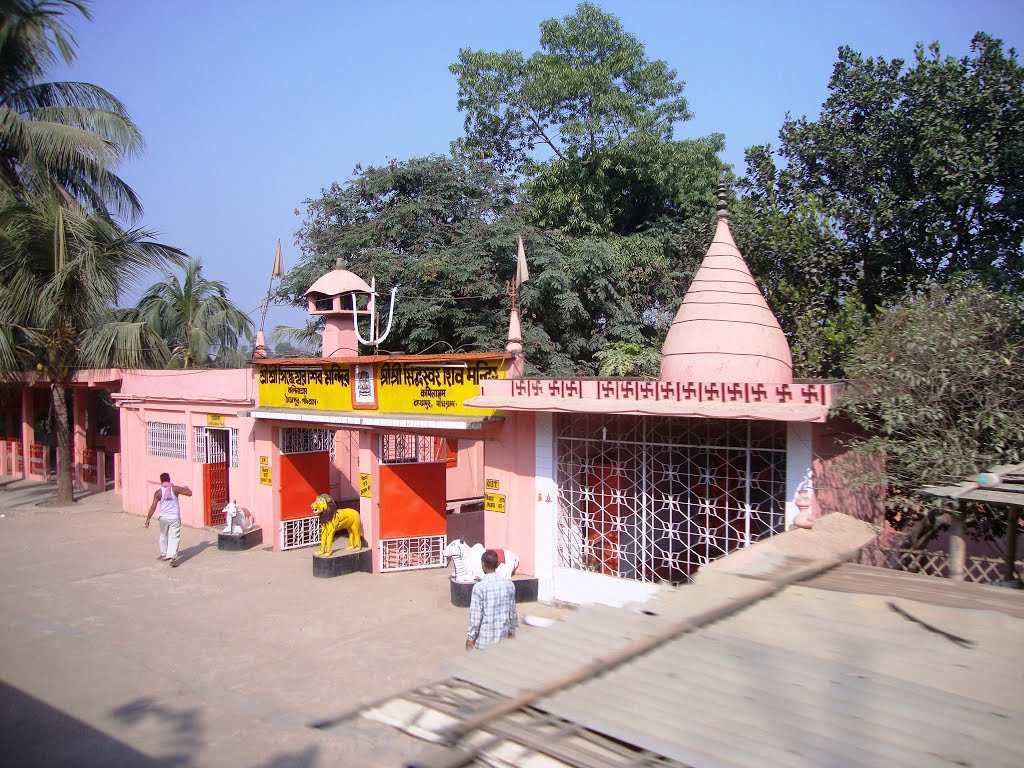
point(164, 439)
point(214, 445)
point(307, 440)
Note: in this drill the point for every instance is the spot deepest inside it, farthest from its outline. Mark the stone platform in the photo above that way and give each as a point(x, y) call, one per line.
point(236, 542)
point(343, 561)
point(526, 591)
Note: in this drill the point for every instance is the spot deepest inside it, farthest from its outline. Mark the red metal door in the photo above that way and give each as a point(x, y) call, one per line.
point(215, 492)
point(412, 500)
point(304, 476)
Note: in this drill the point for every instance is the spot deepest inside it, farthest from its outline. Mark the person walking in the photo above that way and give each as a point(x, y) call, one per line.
point(492, 608)
point(166, 497)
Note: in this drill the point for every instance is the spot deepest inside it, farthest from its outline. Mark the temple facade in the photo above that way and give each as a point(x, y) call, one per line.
point(604, 488)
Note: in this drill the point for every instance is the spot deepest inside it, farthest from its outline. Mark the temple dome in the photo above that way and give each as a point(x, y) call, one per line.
point(724, 330)
point(338, 281)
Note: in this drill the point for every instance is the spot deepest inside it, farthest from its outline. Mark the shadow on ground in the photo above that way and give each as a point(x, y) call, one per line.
point(35, 734)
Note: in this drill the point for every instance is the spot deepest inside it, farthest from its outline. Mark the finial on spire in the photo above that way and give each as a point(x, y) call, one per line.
point(339, 263)
point(723, 197)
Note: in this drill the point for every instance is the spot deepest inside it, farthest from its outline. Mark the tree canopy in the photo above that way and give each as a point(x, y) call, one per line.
point(589, 87)
point(64, 137)
point(936, 385)
point(910, 174)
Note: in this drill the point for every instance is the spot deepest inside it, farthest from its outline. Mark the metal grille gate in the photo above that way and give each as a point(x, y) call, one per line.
point(653, 498)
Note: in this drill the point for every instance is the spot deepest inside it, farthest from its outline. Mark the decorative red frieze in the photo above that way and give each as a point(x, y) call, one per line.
point(671, 391)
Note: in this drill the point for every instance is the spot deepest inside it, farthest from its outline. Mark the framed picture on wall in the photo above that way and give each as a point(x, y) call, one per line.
point(364, 388)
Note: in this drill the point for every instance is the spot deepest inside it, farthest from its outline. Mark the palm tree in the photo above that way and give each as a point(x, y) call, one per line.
point(62, 270)
point(195, 318)
point(59, 136)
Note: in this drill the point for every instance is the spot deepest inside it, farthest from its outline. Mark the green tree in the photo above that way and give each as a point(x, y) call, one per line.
point(936, 384)
point(589, 87)
point(443, 229)
point(61, 270)
point(910, 174)
point(196, 319)
point(59, 136)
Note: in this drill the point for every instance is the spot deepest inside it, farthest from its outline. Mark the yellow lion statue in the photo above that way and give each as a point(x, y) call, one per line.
point(334, 520)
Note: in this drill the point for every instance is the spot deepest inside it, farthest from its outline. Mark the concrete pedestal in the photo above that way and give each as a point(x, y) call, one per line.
point(343, 561)
point(236, 542)
point(526, 591)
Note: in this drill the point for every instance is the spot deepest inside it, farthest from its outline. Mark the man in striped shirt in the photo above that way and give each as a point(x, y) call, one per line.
point(492, 609)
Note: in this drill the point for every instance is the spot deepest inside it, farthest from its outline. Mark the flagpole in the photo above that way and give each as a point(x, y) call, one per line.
point(260, 347)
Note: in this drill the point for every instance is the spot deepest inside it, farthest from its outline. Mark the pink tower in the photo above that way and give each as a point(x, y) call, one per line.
point(330, 297)
point(724, 330)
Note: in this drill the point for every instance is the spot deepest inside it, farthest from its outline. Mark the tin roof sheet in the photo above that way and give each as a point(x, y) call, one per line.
point(850, 668)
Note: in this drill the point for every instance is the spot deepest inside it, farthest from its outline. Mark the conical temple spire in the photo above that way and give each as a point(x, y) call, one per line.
point(724, 330)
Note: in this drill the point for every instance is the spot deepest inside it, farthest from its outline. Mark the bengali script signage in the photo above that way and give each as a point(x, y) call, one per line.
point(674, 391)
point(321, 388)
point(399, 387)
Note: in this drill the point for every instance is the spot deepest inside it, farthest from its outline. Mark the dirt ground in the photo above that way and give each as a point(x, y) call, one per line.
point(109, 657)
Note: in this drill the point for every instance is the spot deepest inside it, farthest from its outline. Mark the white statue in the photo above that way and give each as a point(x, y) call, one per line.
point(237, 519)
point(466, 560)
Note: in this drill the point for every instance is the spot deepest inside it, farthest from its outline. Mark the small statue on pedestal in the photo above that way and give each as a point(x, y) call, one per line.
point(333, 520)
point(237, 519)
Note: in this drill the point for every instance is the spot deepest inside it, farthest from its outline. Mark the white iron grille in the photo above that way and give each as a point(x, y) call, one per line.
point(307, 440)
point(212, 447)
point(165, 439)
point(405, 448)
point(412, 553)
point(653, 499)
point(234, 447)
point(304, 532)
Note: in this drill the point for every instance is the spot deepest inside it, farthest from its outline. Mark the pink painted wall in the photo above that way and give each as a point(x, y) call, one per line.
point(509, 459)
point(345, 470)
point(187, 397)
point(466, 479)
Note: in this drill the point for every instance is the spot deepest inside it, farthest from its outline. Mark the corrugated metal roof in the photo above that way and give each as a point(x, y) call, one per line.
point(1009, 489)
point(847, 669)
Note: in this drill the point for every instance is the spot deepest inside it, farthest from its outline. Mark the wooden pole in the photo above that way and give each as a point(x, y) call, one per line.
point(957, 548)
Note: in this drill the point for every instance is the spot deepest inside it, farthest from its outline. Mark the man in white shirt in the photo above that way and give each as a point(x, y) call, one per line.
point(166, 497)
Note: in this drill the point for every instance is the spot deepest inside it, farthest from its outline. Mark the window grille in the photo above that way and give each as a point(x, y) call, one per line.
point(404, 448)
point(234, 447)
point(303, 532)
point(412, 553)
point(303, 440)
point(653, 499)
point(212, 447)
point(166, 439)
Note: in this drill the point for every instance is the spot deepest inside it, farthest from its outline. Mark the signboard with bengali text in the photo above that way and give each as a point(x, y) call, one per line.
point(400, 387)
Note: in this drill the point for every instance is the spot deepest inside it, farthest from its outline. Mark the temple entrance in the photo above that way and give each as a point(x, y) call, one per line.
point(653, 499)
point(306, 456)
point(213, 448)
point(412, 501)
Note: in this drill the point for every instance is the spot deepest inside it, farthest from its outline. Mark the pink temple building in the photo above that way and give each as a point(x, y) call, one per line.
point(605, 488)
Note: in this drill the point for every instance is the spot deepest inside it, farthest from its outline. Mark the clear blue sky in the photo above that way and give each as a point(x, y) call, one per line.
point(250, 108)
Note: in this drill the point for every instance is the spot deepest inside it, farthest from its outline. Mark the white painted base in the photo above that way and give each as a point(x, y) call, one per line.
point(545, 519)
point(585, 588)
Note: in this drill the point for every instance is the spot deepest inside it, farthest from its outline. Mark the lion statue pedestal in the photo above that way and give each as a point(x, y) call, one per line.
point(354, 557)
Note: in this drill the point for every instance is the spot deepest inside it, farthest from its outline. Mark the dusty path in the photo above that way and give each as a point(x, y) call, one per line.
point(108, 657)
